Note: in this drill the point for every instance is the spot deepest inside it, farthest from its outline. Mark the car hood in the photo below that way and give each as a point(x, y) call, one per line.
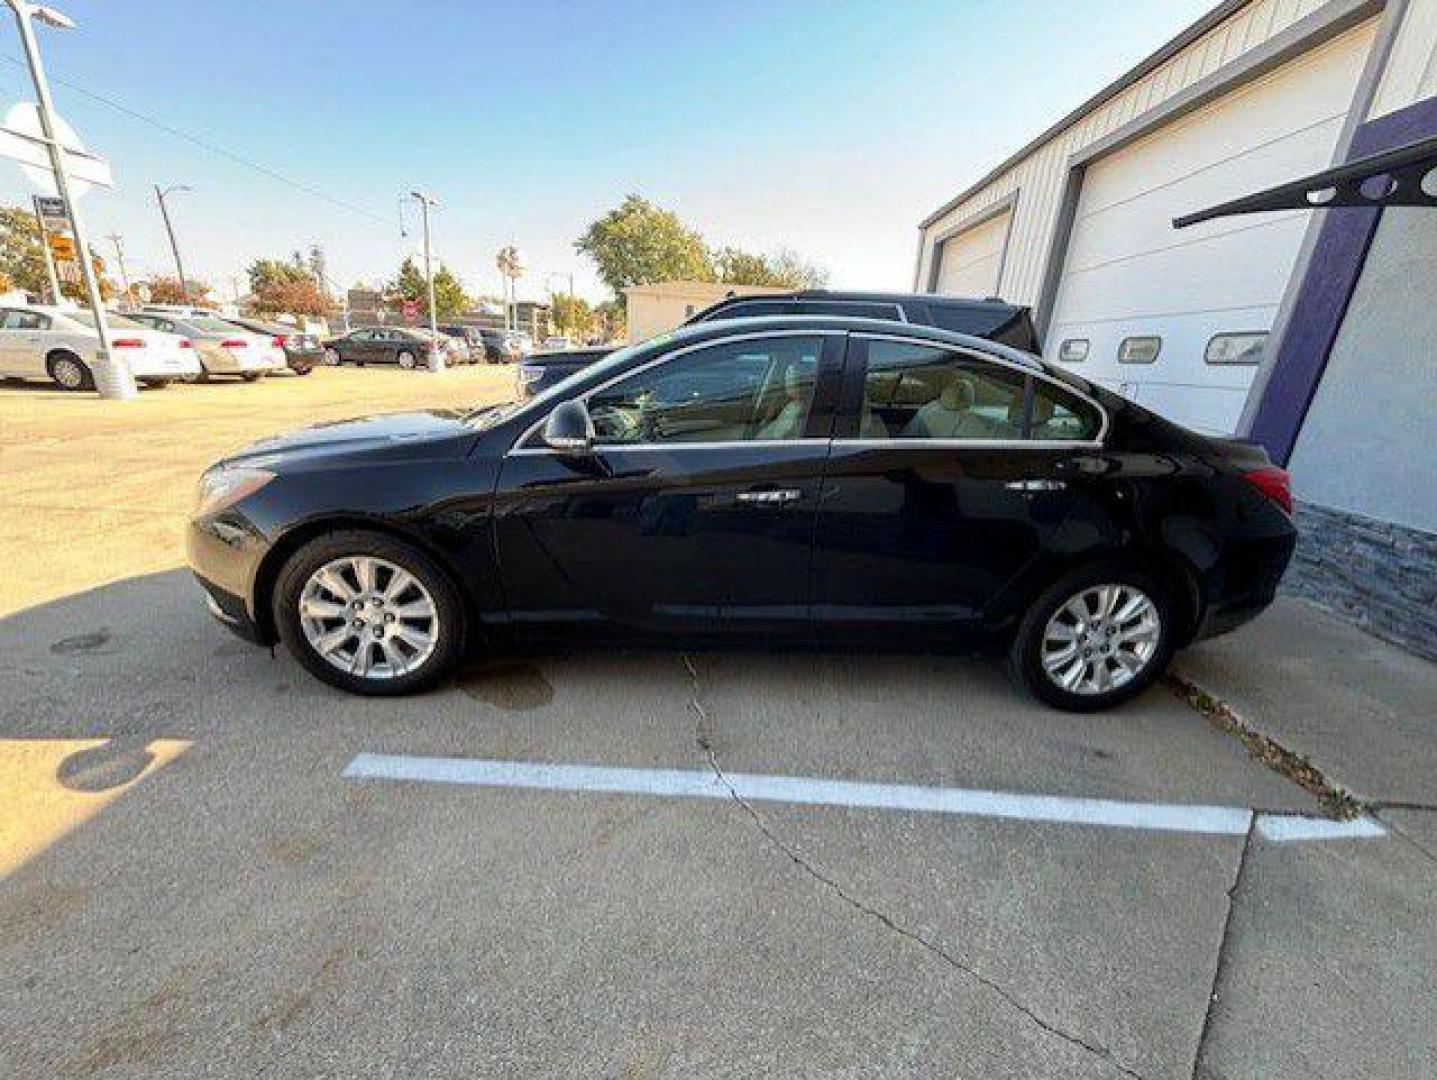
point(392, 436)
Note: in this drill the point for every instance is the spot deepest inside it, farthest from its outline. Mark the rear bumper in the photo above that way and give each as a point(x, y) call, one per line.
point(1245, 583)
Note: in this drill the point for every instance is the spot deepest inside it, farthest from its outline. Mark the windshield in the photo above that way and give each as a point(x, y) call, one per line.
point(87, 318)
point(205, 322)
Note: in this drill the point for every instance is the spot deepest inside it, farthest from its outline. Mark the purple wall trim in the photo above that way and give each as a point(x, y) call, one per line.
point(1327, 288)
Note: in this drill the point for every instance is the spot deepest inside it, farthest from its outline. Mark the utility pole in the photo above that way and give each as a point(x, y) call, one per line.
point(113, 378)
point(118, 241)
point(169, 228)
point(436, 354)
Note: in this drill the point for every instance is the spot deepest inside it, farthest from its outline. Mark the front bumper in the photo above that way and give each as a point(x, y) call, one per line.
point(229, 611)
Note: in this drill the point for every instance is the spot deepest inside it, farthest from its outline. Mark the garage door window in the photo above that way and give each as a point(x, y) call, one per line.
point(1139, 350)
point(1073, 351)
point(1243, 348)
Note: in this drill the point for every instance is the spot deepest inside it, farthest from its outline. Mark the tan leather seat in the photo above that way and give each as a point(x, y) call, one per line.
point(790, 419)
point(950, 415)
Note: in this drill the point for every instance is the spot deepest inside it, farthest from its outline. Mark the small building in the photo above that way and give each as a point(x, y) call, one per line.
point(663, 305)
point(1309, 330)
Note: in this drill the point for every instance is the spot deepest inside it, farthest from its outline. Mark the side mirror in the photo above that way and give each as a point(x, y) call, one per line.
point(569, 428)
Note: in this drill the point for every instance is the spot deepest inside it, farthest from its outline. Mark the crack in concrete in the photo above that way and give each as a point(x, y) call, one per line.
point(1222, 946)
point(1401, 833)
point(704, 737)
point(1335, 800)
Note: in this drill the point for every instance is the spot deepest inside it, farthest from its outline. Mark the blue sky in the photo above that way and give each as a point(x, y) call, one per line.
point(830, 128)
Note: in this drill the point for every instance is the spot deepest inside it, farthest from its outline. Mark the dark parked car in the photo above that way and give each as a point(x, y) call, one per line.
point(996, 320)
point(848, 482)
point(302, 351)
point(379, 345)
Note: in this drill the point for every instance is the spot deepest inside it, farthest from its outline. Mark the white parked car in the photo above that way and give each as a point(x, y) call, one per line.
point(223, 347)
point(557, 344)
point(60, 344)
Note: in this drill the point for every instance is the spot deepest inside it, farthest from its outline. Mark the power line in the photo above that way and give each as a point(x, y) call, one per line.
point(213, 148)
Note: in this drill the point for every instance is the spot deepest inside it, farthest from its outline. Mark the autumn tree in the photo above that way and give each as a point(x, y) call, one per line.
point(298, 297)
point(167, 290)
point(265, 274)
point(21, 259)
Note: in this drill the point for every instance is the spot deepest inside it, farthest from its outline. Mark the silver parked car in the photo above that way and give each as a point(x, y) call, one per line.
point(223, 347)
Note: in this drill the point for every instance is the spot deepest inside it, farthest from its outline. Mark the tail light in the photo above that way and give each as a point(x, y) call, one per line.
point(186, 343)
point(1272, 483)
point(234, 343)
point(128, 343)
point(278, 341)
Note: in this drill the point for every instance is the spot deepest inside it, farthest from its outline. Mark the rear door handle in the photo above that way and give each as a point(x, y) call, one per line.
point(769, 498)
point(1035, 485)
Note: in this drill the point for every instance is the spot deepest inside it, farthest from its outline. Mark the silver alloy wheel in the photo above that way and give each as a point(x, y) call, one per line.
point(406, 359)
point(68, 373)
point(369, 617)
point(1101, 639)
point(332, 357)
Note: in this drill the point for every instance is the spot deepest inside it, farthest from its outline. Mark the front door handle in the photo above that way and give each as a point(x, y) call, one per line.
point(769, 498)
point(1035, 485)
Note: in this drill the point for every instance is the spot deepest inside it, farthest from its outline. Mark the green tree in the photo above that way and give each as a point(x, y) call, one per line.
point(265, 274)
point(783, 269)
point(449, 297)
point(573, 317)
point(638, 243)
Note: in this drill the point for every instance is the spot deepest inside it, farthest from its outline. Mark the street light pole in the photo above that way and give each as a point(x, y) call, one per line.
point(113, 378)
point(169, 228)
point(436, 354)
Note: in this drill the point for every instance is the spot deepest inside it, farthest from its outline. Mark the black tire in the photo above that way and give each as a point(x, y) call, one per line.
point(1026, 655)
point(302, 369)
point(70, 372)
point(156, 384)
point(252, 376)
point(450, 628)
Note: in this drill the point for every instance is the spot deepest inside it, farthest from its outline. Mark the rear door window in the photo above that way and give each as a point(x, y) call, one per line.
point(913, 391)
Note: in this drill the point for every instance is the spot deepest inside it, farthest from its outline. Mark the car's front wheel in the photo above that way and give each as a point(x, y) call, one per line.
point(1099, 636)
point(369, 614)
point(332, 357)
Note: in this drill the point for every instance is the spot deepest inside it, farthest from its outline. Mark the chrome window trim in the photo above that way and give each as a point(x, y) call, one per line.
point(1001, 361)
point(972, 444)
point(752, 335)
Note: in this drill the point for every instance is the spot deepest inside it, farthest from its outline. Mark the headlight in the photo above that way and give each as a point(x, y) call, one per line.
point(222, 488)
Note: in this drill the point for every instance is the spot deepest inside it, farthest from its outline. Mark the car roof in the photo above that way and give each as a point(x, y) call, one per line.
point(719, 328)
point(845, 295)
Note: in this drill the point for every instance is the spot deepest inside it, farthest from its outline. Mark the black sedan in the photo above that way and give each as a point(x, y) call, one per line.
point(840, 481)
point(302, 350)
point(380, 345)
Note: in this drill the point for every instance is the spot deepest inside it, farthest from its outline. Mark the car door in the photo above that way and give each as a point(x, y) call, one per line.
point(23, 343)
point(695, 510)
point(950, 478)
point(356, 345)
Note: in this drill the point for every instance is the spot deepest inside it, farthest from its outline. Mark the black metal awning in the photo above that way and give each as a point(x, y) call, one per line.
point(1406, 176)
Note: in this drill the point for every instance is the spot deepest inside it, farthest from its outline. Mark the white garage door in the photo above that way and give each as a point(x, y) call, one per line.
point(1130, 275)
point(969, 263)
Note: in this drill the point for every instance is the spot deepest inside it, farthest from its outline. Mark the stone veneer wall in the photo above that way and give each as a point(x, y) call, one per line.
point(1377, 575)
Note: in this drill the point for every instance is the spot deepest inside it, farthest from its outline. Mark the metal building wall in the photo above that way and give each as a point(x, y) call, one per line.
point(1042, 172)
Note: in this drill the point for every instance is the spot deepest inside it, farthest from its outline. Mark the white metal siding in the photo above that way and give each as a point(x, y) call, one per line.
point(1040, 176)
point(971, 261)
point(1127, 272)
point(1411, 72)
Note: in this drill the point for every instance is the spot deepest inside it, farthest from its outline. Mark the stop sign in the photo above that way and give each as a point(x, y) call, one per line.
point(411, 310)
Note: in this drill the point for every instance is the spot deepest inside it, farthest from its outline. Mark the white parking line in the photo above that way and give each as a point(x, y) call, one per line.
point(1060, 809)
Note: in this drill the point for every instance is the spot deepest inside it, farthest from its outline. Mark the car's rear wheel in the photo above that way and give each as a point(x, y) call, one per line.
point(252, 376)
point(1097, 637)
point(156, 384)
point(406, 360)
point(369, 614)
point(70, 372)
